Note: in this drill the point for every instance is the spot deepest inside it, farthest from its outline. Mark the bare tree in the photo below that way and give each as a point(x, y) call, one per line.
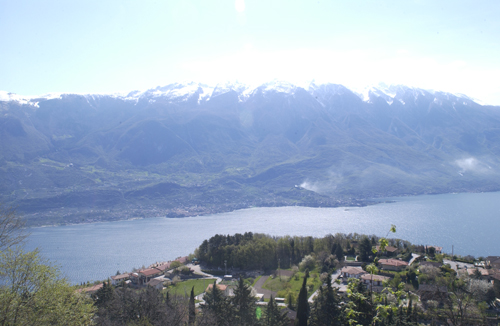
point(12, 230)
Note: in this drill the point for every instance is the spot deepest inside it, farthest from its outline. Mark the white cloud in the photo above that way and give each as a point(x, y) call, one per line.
point(472, 164)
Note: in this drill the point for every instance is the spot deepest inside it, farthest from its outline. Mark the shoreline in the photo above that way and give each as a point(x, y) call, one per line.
point(182, 212)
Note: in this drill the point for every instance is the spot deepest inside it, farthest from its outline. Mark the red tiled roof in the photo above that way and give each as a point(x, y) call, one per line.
point(92, 288)
point(150, 271)
point(380, 278)
point(352, 270)
point(164, 267)
point(392, 262)
point(221, 287)
point(438, 249)
point(120, 277)
point(484, 272)
point(182, 260)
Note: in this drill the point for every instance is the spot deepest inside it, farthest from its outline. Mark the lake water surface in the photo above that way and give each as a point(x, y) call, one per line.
point(88, 252)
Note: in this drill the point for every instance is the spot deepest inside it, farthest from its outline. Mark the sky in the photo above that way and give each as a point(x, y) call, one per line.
point(119, 46)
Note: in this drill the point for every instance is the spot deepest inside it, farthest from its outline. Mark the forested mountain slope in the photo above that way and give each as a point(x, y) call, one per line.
point(188, 149)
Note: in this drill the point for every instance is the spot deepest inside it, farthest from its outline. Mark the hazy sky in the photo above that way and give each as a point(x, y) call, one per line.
point(109, 46)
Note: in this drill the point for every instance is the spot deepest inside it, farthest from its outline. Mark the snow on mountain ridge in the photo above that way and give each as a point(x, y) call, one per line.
point(185, 90)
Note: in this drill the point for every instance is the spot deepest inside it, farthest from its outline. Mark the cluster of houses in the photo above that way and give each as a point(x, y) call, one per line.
point(153, 276)
point(488, 270)
point(374, 282)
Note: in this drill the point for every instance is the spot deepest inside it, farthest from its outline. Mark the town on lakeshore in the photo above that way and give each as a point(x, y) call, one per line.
point(420, 283)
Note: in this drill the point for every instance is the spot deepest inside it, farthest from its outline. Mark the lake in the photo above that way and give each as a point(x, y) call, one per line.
point(89, 252)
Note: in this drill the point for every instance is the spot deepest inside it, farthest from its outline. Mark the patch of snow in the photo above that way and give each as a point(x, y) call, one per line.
point(226, 87)
point(29, 100)
point(279, 87)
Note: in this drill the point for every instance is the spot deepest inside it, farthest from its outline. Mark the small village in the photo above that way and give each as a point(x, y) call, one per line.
point(179, 275)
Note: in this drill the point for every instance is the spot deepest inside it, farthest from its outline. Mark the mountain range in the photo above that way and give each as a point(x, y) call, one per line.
point(189, 149)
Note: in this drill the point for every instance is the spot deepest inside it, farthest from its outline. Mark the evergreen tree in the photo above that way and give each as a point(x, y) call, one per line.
point(302, 304)
point(339, 253)
point(103, 295)
point(219, 307)
point(325, 310)
point(244, 304)
point(192, 308)
point(365, 249)
point(290, 301)
point(334, 249)
point(273, 315)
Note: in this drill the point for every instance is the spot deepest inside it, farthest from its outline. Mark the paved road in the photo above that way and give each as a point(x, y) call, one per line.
point(413, 257)
point(455, 264)
point(258, 287)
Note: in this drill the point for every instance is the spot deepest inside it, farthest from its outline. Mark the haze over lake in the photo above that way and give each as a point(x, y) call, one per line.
point(87, 252)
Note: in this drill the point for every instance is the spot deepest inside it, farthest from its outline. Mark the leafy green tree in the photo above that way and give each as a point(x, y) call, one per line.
point(372, 269)
point(303, 304)
point(273, 315)
point(31, 293)
point(359, 309)
point(383, 242)
point(325, 309)
point(244, 304)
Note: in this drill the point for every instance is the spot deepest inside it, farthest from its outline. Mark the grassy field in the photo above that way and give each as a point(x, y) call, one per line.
point(199, 287)
point(293, 284)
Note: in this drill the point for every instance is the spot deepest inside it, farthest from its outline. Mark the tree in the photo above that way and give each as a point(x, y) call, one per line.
point(103, 295)
point(365, 249)
point(192, 308)
point(244, 304)
point(273, 315)
point(359, 309)
point(302, 304)
point(431, 251)
point(383, 242)
point(459, 304)
point(218, 307)
point(325, 310)
point(31, 293)
point(372, 269)
point(339, 252)
point(11, 228)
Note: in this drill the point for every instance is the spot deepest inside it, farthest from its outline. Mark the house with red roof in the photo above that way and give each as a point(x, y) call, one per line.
point(393, 264)
point(226, 290)
point(349, 271)
point(115, 280)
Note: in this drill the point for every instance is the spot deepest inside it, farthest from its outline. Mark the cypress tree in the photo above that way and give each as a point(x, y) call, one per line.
point(302, 304)
point(408, 311)
point(339, 252)
point(192, 308)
